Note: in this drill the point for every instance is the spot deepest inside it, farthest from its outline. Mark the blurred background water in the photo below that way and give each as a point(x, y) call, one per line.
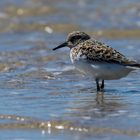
point(43, 86)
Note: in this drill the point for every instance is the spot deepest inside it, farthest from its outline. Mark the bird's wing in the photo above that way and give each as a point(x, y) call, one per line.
point(97, 51)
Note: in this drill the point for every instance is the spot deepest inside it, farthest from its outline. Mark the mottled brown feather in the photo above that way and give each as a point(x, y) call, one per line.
point(97, 51)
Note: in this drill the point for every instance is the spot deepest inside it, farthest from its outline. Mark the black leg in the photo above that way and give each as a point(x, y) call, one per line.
point(102, 85)
point(97, 84)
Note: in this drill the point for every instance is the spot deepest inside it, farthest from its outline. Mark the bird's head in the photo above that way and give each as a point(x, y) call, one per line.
point(74, 39)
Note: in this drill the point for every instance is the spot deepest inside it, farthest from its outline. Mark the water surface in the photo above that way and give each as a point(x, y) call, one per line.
point(42, 95)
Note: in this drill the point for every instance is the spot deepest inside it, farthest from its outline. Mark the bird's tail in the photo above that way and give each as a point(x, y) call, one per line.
point(136, 65)
point(132, 64)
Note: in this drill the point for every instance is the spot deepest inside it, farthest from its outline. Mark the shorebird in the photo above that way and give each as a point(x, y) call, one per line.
point(96, 59)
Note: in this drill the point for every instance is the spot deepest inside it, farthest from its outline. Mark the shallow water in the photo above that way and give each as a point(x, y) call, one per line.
point(42, 95)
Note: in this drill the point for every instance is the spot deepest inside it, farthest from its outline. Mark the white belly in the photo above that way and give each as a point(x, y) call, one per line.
point(101, 70)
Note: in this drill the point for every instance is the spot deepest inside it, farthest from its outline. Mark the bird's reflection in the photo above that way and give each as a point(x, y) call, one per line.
point(95, 105)
point(100, 97)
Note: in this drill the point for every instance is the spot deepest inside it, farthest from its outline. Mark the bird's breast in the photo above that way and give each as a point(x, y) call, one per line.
point(77, 55)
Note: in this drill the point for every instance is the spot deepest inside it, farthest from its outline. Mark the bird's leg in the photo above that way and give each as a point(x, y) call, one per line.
point(102, 85)
point(97, 84)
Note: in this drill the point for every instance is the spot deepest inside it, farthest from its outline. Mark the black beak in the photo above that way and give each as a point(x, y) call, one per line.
point(61, 46)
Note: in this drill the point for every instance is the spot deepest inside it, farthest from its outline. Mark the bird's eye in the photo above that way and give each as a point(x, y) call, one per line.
point(77, 37)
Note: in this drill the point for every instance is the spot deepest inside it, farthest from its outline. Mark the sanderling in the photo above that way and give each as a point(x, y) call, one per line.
point(97, 59)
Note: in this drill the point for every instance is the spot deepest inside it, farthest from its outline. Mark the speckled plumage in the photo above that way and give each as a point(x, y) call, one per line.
point(96, 51)
point(97, 59)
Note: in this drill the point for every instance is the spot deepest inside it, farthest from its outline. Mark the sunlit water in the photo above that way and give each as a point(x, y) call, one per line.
point(41, 86)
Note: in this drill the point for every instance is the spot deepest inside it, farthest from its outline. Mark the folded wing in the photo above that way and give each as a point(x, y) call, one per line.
point(97, 51)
